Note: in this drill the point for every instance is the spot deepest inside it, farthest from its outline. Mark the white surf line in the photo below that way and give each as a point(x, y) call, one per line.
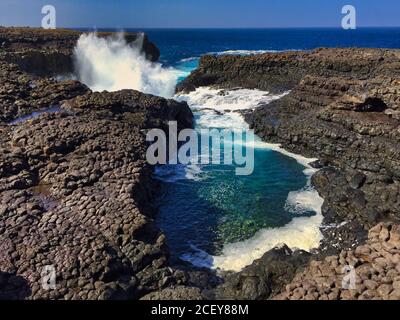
point(243, 52)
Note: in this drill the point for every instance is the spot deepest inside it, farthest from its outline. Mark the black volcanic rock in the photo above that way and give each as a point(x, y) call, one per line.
point(139, 109)
point(76, 191)
point(22, 93)
point(264, 278)
point(375, 265)
point(279, 72)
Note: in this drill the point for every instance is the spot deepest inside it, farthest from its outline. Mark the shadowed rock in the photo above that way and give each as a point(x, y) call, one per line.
point(265, 277)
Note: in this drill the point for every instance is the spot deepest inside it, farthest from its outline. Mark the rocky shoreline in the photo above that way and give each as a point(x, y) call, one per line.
point(343, 109)
point(76, 192)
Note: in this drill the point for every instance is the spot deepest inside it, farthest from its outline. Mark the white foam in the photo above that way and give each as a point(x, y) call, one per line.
point(198, 258)
point(247, 52)
point(222, 100)
point(211, 119)
point(189, 59)
point(112, 64)
point(242, 52)
point(305, 162)
point(301, 233)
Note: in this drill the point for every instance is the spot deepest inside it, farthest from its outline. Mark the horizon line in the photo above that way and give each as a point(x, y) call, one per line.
point(210, 28)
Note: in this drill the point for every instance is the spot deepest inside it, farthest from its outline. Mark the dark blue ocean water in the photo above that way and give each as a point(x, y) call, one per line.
point(204, 215)
point(177, 44)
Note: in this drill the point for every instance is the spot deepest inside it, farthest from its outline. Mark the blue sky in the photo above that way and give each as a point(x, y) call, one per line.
point(200, 13)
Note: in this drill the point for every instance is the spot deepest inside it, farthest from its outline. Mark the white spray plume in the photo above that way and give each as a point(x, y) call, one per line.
point(112, 64)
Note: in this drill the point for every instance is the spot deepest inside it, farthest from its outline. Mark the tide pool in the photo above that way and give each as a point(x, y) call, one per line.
point(216, 219)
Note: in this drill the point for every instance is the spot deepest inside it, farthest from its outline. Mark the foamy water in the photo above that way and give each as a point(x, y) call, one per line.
point(302, 232)
point(242, 52)
point(232, 100)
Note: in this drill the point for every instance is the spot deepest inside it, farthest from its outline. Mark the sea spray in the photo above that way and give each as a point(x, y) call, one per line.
point(112, 64)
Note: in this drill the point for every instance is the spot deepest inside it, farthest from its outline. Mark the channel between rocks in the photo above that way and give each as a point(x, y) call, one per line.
point(77, 193)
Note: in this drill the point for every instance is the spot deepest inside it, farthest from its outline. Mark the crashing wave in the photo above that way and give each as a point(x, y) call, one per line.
point(112, 64)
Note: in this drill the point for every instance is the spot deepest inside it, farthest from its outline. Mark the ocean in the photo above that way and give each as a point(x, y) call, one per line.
point(212, 217)
point(180, 44)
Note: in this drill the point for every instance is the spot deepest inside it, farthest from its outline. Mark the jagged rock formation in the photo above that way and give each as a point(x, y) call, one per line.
point(76, 191)
point(279, 72)
point(370, 272)
point(21, 93)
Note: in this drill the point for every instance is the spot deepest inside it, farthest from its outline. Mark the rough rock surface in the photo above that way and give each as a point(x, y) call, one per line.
point(350, 128)
point(76, 192)
point(279, 72)
point(370, 272)
point(178, 293)
point(22, 94)
point(342, 106)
